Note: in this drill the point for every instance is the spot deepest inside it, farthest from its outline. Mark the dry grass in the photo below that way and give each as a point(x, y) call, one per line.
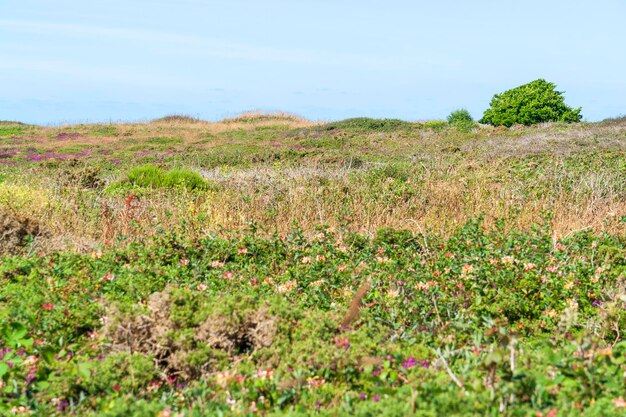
point(420, 180)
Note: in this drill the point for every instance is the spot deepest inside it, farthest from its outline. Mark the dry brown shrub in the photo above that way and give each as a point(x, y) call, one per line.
point(14, 231)
point(150, 334)
point(236, 336)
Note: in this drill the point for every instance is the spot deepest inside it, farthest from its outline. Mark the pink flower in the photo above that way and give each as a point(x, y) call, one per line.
point(342, 342)
point(202, 287)
point(47, 306)
point(108, 277)
point(264, 373)
point(228, 274)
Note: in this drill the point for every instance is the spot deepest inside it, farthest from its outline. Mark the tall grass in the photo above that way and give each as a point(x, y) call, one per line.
point(419, 179)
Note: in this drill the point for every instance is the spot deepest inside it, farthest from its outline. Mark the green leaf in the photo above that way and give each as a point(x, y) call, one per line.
point(4, 368)
point(43, 385)
point(26, 342)
point(18, 331)
point(84, 370)
point(48, 355)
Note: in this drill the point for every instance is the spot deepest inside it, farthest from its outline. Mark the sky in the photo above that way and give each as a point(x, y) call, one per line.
point(77, 61)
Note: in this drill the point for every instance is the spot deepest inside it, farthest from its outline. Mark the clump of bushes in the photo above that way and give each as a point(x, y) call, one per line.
point(151, 176)
point(462, 120)
point(535, 102)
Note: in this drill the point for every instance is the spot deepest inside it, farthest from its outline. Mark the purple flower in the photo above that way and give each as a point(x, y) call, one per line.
point(409, 363)
point(375, 398)
point(424, 363)
point(66, 136)
point(35, 157)
point(596, 303)
point(362, 396)
point(4, 351)
point(62, 405)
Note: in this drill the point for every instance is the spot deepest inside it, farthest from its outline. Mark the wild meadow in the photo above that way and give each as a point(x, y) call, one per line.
point(273, 266)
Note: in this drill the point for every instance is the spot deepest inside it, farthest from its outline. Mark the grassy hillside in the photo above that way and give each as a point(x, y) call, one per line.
point(268, 265)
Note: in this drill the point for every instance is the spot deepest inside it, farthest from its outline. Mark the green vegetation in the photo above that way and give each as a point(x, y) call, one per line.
point(462, 120)
point(266, 265)
point(368, 124)
point(474, 324)
point(535, 102)
point(151, 176)
point(10, 129)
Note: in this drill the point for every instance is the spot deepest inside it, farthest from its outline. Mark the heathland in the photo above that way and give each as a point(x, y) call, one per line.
point(270, 265)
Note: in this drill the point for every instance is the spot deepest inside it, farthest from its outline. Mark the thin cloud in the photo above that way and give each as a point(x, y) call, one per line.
point(214, 47)
point(133, 76)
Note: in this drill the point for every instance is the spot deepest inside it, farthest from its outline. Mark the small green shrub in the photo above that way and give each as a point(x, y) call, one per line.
point(462, 120)
point(535, 102)
point(151, 176)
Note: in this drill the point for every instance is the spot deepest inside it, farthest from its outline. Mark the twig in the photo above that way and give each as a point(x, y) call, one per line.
point(355, 306)
point(437, 310)
point(512, 349)
point(454, 378)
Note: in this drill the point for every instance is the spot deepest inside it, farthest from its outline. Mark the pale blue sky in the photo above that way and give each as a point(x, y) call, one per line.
point(94, 61)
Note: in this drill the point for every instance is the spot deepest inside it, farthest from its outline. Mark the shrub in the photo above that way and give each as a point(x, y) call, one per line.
point(461, 119)
point(151, 176)
point(535, 102)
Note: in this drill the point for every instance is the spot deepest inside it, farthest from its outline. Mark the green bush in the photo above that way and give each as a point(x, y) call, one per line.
point(535, 102)
point(462, 120)
point(151, 176)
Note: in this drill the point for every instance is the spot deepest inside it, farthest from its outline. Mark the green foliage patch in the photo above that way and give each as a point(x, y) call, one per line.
point(528, 104)
point(462, 120)
point(11, 130)
point(368, 124)
point(478, 324)
point(152, 176)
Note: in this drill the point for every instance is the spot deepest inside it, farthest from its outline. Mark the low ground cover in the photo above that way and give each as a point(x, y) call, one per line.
point(267, 265)
point(480, 323)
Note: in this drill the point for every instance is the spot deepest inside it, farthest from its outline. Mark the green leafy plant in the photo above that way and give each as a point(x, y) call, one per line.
point(535, 102)
point(462, 120)
point(151, 176)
